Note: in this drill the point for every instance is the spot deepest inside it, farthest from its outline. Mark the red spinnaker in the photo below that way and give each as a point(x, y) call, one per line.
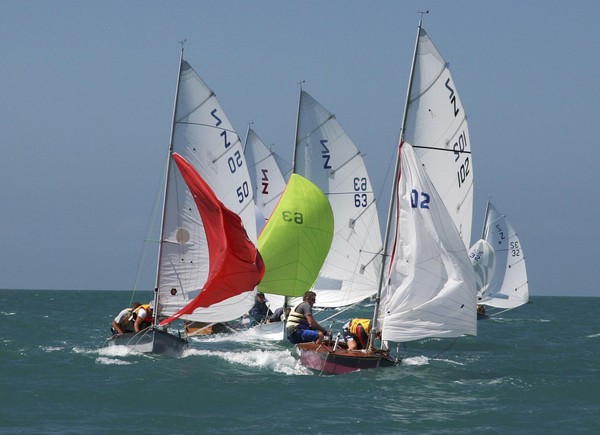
point(235, 265)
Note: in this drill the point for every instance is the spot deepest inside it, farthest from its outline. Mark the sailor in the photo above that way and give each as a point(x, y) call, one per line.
point(123, 322)
point(143, 317)
point(356, 333)
point(260, 311)
point(301, 326)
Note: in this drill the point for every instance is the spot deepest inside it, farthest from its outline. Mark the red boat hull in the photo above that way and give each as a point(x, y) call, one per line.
point(323, 359)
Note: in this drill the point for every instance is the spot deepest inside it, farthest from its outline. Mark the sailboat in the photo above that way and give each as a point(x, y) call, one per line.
point(294, 244)
point(499, 263)
point(325, 155)
point(208, 264)
point(427, 283)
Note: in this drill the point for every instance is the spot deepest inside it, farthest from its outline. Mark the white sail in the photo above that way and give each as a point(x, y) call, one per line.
point(431, 287)
point(483, 259)
point(204, 137)
point(268, 173)
point(436, 125)
point(507, 287)
point(327, 156)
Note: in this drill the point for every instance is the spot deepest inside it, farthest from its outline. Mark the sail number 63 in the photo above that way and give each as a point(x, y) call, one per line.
point(293, 217)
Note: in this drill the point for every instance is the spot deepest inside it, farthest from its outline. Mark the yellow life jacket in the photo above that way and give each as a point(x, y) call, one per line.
point(296, 320)
point(360, 328)
point(145, 307)
point(366, 324)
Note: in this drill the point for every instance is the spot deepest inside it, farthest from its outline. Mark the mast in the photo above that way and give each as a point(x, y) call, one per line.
point(294, 155)
point(247, 134)
point(296, 131)
point(484, 229)
point(167, 172)
point(394, 192)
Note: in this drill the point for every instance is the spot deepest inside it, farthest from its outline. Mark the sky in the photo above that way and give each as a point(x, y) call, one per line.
point(87, 92)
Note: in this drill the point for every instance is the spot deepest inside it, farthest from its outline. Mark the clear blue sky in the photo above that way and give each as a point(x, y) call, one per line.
point(87, 93)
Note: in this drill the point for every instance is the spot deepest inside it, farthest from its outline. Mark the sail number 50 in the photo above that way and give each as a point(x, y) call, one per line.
point(243, 192)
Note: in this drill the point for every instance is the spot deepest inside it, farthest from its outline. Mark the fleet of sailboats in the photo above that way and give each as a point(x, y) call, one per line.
point(319, 228)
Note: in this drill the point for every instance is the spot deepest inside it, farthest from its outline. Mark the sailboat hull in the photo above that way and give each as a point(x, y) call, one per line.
point(324, 359)
point(151, 341)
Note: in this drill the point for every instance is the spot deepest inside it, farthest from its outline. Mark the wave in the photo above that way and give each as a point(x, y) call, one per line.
point(280, 361)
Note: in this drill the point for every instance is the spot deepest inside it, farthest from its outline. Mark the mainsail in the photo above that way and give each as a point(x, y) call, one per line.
point(204, 137)
point(325, 154)
point(268, 173)
point(436, 126)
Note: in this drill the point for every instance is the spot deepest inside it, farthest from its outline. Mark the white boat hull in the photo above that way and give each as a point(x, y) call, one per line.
point(151, 341)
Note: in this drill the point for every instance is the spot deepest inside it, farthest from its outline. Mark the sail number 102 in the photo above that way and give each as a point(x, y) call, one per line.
point(459, 148)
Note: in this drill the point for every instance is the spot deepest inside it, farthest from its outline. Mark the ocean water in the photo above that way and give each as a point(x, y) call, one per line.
point(535, 369)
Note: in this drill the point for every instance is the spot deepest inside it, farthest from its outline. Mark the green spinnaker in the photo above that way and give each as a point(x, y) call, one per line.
point(296, 239)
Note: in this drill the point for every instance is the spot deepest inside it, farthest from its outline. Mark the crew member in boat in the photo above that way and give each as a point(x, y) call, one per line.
point(356, 333)
point(301, 326)
point(481, 312)
point(143, 317)
point(260, 311)
point(124, 320)
point(277, 316)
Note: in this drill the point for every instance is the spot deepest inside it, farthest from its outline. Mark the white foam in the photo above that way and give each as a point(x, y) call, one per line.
point(280, 361)
point(112, 361)
point(415, 361)
point(51, 348)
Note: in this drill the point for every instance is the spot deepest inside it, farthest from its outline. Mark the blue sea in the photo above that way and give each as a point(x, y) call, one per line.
point(535, 369)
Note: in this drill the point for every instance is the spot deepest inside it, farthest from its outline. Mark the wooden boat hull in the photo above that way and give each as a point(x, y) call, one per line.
point(323, 359)
point(151, 341)
point(201, 328)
